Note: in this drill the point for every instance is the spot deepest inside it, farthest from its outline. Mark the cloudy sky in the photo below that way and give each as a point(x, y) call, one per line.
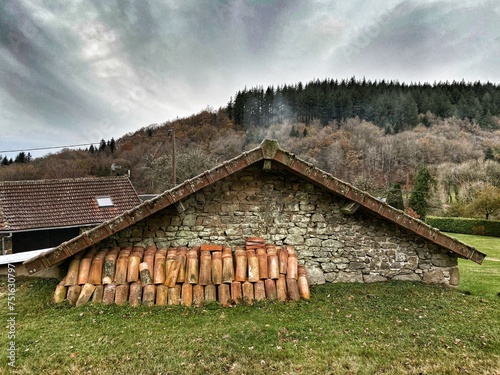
point(78, 71)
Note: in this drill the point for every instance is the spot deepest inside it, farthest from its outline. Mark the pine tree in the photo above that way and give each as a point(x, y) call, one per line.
point(395, 197)
point(112, 145)
point(20, 158)
point(422, 189)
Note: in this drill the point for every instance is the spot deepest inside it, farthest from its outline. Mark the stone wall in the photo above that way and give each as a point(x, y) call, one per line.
point(286, 209)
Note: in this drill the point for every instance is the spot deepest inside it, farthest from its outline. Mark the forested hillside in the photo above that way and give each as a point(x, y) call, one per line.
point(392, 106)
point(372, 134)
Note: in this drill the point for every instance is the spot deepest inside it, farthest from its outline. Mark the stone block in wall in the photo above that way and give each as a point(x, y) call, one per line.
point(330, 277)
point(357, 266)
point(233, 231)
point(315, 274)
point(313, 242)
point(442, 260)
point(434, 276)
point(412, 262)
point(349, 277)
point(328, 267)
point(307, 207)
point(373, 278)
point(294, 239)
point(332, 243)
point(317, 217)
point(454, 276)
point(296, 230)
point(407, 277)
point(189, 220)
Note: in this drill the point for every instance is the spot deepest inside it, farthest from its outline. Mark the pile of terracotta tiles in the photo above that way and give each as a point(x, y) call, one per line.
point(184, 276)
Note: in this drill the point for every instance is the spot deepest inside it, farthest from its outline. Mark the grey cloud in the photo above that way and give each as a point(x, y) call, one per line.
point(98, 69)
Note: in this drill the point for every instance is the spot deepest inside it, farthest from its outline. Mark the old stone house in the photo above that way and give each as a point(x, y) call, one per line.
point(340, 233)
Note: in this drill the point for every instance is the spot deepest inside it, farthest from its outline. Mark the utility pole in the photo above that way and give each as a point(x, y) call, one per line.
point(174, 163)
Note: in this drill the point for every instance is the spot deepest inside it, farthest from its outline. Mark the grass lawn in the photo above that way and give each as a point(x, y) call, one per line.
point(481, 280)
point(381, 328)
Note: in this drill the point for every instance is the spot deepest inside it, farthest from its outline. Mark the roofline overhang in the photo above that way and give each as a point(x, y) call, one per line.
point(267, 150)
point(47, 228)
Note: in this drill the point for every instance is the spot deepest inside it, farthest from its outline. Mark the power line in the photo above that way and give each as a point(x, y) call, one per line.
point(50, 148)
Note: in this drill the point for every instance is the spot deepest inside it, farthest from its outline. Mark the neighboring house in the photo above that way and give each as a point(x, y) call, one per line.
point(340, 233)
point(42, 214)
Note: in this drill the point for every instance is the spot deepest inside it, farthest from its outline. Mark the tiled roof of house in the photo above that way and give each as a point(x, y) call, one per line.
point(37, 204)
point(268, 151)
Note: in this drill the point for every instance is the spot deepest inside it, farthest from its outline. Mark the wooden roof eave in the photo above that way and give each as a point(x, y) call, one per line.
point(380, 208)
point(145, 209)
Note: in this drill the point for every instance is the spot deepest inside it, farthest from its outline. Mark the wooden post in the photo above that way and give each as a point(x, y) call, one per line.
point(149, 258)
point(121, 294)
point(253, 266)
point(263, 269)
point(98, 294)
point(293, 289)
point(135, 294)
point(84, 268)
point(95, 275)
point(148, 294)
point(210, 293)
point(271, 293)
point(109, 268)
point(205, 268)
point(122, 267)
point(283, 259)
point(281, 289)
point(144, 274)
point(217, 267)
point(108, 296)
point(85, 294)
point(224, 294)
point(159, 267)
point(192, 266)
point(60, 292)
point(174, 295)
point(292, 263)
point(173, 273)
point(72, 275)
point(74, 293)
point(171, 254)
point(198, 295)
point(260, 290)
point(227, 265)
point(161, 295)
point(272, 263)
point(187, 294)
point(236, 293)
point(302, 282)
point(248, 295)
point(181, 259)
point(241, 264)
point(133, 267)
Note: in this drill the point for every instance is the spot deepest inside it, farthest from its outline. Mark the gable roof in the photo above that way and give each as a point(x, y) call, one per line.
point(43, 204)
point(269, 151)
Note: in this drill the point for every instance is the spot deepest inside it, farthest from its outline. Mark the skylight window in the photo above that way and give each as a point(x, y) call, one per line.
point(104, 201)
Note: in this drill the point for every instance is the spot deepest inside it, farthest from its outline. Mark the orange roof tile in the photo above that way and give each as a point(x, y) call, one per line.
point(37, 204)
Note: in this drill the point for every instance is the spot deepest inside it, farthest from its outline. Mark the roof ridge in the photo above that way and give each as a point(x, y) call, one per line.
point(95, 178)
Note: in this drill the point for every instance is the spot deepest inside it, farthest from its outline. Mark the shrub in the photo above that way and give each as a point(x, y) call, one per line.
point(465, 225)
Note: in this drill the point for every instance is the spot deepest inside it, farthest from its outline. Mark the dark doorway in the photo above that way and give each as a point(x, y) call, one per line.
point(41, 239)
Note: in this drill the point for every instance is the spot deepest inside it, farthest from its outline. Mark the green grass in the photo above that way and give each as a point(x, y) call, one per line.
point(381, 328)
point(481, 280)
